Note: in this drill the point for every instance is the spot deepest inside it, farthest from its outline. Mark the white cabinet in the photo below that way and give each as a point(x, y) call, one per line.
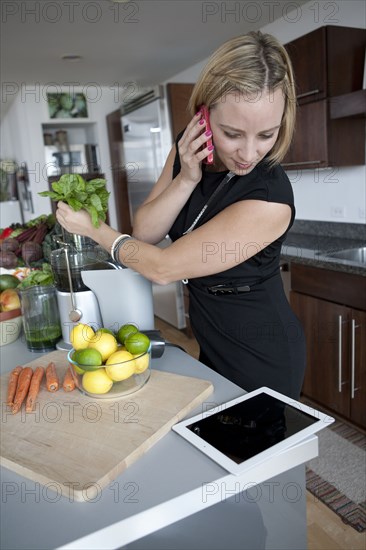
point(10, 213)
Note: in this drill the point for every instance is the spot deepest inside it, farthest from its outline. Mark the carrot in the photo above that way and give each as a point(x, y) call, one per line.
point(24, 381)
point(12, 385)
point(68, 383)
point(34, 388)
point(52, 382)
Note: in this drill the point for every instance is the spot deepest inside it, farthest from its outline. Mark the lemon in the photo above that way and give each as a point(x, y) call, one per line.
point(141, 363)
point(89, 357)
point(81, 335)
point(105, 343)
point(137, 343)
point(124, 331)
point(107, 330)
point(120, 366)
point(97, 381)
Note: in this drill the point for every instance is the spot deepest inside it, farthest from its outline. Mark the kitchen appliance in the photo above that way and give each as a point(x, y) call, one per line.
point(124, 296)
point(76, 302)
point(147, 140)
point(78, 159)
point(93, 290)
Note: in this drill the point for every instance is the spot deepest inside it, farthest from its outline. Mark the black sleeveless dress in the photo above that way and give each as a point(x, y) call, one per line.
point(254, 338)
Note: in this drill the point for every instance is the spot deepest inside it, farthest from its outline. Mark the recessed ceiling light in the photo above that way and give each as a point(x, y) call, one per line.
point(71, 58)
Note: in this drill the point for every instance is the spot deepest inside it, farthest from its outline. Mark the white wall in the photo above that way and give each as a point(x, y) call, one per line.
point(22, 137)
point(318, 193)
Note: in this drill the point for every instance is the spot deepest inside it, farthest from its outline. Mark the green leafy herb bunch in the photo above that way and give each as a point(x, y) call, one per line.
point(91, 195)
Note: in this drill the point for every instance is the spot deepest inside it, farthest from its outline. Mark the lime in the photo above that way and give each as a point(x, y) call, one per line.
point(81, 335)
point(125, 331)
point(88, 359)
point(78, 369)
point(120, 366)
point(97, 382)
point(105, 343)
point(8, 281)
point(137, 343)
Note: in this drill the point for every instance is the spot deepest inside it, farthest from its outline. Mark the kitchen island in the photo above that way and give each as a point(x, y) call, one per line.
point(171, 497)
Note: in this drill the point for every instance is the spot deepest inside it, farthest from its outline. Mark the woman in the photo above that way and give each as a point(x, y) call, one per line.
point(227, 239)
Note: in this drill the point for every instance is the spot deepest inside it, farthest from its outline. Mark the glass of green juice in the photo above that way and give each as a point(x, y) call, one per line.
point(41, 319)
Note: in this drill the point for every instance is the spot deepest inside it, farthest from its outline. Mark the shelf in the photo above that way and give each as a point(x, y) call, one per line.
point(64, 123)
point(348, 105)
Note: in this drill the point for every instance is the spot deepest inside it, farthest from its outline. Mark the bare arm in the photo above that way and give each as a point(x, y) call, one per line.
point(233, 236)
point(156, 215)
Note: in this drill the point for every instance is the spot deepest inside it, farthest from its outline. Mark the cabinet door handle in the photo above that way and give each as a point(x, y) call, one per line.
point(301, 163)
point(306, 94)
point(353, 357)
point(340, 383)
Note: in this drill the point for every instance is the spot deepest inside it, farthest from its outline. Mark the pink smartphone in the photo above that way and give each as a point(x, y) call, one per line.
point(210, 158)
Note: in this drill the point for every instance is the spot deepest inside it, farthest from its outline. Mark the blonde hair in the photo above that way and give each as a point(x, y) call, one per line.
point(250, 64)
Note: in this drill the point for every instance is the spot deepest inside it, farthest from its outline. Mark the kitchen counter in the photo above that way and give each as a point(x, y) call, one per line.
point(311, 249)
point(172, 497)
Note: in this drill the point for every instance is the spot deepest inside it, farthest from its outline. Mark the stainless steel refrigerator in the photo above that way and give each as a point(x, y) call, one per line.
point(147, 140)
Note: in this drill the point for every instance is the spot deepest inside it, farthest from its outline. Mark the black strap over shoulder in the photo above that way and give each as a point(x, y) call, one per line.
point(176, 165)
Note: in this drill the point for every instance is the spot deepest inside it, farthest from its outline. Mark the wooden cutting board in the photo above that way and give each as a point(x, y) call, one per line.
point(76, 445)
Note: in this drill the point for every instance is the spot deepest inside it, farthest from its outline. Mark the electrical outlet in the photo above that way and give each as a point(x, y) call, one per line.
point(338, 212)
point(361, 213)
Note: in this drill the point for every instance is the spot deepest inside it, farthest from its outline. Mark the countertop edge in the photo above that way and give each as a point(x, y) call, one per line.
point(324, 263)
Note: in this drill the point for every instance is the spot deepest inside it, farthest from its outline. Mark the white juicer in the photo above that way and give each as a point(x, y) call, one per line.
point(93, 290)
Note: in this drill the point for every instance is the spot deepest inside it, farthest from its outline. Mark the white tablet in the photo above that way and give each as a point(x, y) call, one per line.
point(243, 432)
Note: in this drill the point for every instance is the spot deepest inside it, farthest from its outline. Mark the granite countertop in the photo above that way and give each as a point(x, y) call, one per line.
point(310, 243)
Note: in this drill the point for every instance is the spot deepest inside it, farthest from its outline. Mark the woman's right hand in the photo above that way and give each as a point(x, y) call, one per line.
point(74, 222)
point(190, 153)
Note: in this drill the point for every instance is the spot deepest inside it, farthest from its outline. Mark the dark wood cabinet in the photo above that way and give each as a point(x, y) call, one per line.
point(320, 141)
point(328, 63)
point(118, 172)
point(336, 339)
point(178, 97)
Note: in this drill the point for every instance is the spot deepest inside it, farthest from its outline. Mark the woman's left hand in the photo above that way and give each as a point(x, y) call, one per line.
point(74, 222)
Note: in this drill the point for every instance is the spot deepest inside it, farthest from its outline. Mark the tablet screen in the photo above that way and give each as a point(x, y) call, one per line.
point(250, 427)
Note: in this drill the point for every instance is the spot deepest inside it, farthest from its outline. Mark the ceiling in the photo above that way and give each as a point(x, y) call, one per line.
point(142, 41)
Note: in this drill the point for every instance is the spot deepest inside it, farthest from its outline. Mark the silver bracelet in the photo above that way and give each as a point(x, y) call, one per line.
point(114, 244)
point(117, 248)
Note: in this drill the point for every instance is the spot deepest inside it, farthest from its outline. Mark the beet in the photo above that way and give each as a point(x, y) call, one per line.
point(10, 245)
point(31, 252)
point(8, 260)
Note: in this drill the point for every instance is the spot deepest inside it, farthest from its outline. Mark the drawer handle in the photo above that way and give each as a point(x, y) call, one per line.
point(303, 162)
point(353, 358)
point(340, 383)
point(306, 94)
